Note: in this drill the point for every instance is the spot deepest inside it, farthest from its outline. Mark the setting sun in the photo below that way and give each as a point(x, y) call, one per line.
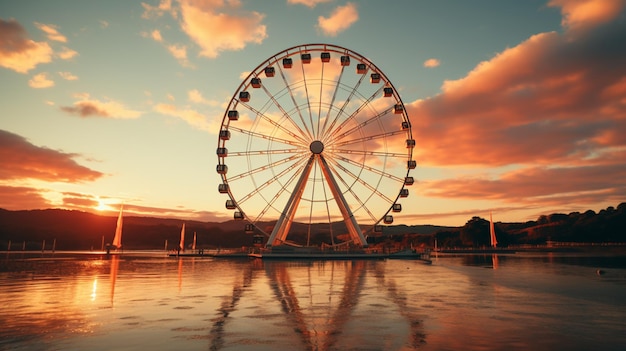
point(103, 206)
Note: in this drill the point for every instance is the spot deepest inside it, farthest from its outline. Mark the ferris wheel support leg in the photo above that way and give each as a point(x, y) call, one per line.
point(282, 226)
point(353, 227)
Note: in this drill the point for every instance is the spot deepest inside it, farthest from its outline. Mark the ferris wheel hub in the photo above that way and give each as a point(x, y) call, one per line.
point(317, 147)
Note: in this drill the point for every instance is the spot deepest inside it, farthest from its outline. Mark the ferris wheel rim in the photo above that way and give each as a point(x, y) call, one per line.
point(317, 145)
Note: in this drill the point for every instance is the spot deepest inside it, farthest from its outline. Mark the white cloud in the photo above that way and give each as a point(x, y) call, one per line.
point(68, 76)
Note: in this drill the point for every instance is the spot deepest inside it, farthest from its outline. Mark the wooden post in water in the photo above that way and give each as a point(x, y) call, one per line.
point(165, 245)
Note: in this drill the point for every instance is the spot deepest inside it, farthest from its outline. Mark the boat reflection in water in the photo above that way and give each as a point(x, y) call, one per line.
point(115, 264)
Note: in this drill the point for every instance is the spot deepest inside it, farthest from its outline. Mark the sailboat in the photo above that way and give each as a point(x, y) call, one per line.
point(117, 240)
point(193, 247)
point(494, 242)
point(492, 232)
point(181, 246)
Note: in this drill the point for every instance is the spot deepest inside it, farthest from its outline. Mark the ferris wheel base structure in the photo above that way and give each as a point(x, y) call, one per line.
point(312, 141)
point(309, 253)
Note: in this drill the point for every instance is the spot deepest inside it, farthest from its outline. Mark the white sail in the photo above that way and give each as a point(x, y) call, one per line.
point(182, 239)
point(193, 247)
point(492, 232)
point(117, 240)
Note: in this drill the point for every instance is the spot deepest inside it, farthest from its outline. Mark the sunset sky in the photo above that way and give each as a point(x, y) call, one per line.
point(517, 107)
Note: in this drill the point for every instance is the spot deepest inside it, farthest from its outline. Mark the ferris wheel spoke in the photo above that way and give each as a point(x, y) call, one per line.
point(295, 103)
point(375, 118)
point(313, 186)
point(369, 186)
point(266, 137)
point(283, 188)
point(328, 216)
point(368, 138)
point(275, 123)
point(265, 152)
point(285, 113)
point(265, 167)
point(260, 188)
point(371, 169)
point(346, 102)
point(308, 100)
point(351, 190)
point(369, 153)
point(333, 131)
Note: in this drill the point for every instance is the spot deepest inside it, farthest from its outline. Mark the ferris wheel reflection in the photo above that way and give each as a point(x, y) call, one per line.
point(325, 312)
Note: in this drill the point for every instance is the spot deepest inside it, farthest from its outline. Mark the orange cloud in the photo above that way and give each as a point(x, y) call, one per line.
point(180, 53)
point(196, 97)
point(156, 35)
point(80, 201)
point(583, 14)
point(548, 113)
point(165, 6)
point(67, 54)
point(23, 160)
point(549, 100)
point(19, 53)
point(18, 198)
point(430, 63)
point(192, 117)
point(341, 19)
point(538, 186)
point(308, 3)
point(52, 32)
point(94, 108)
point(40, 81)
point(213, 29)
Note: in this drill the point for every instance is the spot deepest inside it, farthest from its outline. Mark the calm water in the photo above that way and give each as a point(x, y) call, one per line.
point(152, 302)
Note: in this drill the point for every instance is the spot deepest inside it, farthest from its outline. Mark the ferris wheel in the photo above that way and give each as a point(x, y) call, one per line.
point(315, 141)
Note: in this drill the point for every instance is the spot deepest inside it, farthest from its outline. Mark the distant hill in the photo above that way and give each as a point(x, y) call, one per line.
point(606, 226)
point(76, 230)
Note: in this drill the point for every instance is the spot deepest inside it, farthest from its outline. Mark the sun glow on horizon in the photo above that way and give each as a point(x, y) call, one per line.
point(103, 206)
